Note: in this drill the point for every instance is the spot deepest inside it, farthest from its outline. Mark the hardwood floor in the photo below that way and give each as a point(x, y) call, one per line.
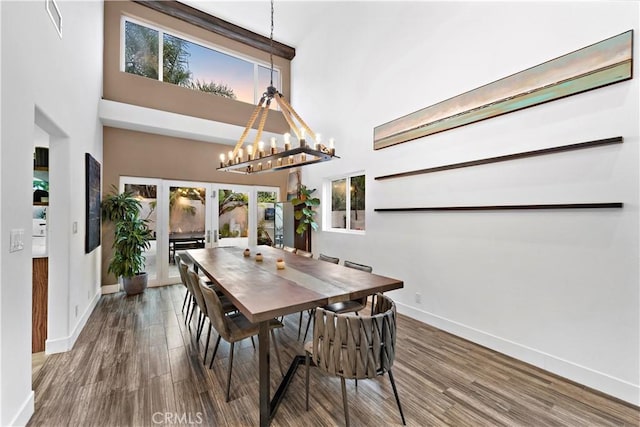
point(137, 364)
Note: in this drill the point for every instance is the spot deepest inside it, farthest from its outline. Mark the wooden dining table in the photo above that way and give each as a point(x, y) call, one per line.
point(262, 292)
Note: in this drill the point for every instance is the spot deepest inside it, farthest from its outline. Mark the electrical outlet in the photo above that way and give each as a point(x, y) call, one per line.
point(418, 298)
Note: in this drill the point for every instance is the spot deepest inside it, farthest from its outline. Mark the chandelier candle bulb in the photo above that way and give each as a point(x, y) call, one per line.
point(249, 152)
point(303, 157)
point(287, 142)
point(230, 157)
point(269, 164)
point(332, 149)
point(222, 159)
point(240, 153)
point(318, 141)
point(279, 162)
point(290, 160)
point(303, 142)
point(259, 166)
point(261, 149)
point(274, 149)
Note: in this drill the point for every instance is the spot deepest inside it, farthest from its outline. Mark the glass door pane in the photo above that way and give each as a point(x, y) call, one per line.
point(147, 195)
point(187, 220)
point(233, 216)
point(266, 230)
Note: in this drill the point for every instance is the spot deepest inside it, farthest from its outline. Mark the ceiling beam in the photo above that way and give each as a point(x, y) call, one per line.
point(216, 25)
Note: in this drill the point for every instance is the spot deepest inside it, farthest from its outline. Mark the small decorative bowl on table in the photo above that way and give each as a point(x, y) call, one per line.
point(259, 257)
point(280, 264)
point(246, 252)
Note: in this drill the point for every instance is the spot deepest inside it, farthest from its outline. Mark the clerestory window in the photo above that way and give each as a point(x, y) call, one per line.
point(159, 54)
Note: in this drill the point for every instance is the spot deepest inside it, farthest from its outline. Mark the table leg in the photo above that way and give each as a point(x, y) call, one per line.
point(263, 357)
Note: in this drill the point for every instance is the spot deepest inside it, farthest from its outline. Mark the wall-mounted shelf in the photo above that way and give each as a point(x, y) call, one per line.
point(515, 156)
point(608, 205)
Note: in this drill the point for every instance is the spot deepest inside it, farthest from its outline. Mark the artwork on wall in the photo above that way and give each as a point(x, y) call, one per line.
point(92, 182)
point(606, 62)
point(293, 183)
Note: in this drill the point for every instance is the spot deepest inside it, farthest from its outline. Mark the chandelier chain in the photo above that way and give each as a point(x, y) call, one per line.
point(271, 44)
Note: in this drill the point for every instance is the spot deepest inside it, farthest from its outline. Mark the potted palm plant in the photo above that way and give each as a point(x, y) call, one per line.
point(305, 214)
point(131, 238)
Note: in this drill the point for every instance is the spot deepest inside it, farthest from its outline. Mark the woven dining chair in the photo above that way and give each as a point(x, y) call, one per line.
point(354, 347)
point(233, 327)
point(351, 306)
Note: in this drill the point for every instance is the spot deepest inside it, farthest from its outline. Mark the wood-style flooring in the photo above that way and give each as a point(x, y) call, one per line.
point(137, 364)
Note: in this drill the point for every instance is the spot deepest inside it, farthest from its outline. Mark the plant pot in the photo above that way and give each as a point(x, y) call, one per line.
point(136, 284)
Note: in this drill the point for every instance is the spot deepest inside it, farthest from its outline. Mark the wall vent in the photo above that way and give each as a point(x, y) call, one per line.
point(55, 15)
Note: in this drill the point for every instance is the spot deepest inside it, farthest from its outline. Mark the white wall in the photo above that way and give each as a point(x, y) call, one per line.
point(558, 289)
point(61, 79)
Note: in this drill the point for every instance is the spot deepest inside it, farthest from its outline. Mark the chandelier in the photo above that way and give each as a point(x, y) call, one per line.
point(257, 158)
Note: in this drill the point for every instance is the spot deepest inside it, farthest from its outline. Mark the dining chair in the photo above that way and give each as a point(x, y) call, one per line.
point(345, 306)
point(354, 347)
point(327, 258)
point(321, 257)
point(196, 285)
point(233, 327)
point(289, 249)
point(304, 253)
point(188, 295)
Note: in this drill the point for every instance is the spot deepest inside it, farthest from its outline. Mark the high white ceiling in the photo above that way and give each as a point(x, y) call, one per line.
point(291, 18)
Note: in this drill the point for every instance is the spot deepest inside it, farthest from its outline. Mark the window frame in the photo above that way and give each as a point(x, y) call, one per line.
point(327, 190)
point(256, 62)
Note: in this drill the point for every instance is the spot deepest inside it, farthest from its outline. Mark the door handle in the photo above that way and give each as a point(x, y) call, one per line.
point(208, 236)
point(215, 236)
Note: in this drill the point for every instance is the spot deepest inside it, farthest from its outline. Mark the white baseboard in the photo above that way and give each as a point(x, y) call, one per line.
point(110, 289)
point(60, 345)
point(581, 374)
point(26, 411)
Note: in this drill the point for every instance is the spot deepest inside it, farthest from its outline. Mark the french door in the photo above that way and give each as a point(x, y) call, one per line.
point(188, 214)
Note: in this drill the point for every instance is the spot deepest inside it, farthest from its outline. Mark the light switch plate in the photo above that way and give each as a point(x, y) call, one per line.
point(75, 227)
point(16, 242)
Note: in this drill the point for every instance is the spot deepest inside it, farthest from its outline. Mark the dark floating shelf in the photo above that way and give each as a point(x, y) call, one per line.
point(542, 152)
point(612, 205)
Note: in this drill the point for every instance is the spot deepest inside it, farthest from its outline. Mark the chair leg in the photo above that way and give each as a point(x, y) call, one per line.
point(253, 343)
point(395, 392)
point(230, 368)
point(307, 363)
point(275, 347)
point(299, 325)
point(206, 346)
point(201, 318)
point(215, 350)
point(186, 296)
point(344, 401)
point(311, 313)
point(373, 303)
point(190, 316)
